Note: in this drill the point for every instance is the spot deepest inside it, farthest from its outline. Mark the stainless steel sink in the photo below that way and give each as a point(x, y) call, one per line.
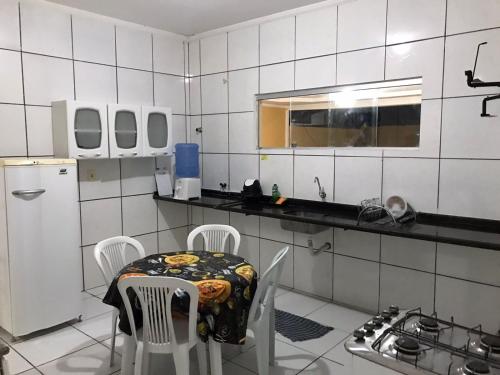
point(299, 226)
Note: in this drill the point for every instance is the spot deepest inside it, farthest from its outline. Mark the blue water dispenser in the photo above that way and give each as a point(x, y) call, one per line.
point(187, 171)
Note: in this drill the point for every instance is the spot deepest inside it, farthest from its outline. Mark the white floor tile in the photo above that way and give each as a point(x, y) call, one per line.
point(46, 348)
point(17, 363)
point(339, 317)
point(98, 291)
point(99, 327)
point(318, 346)
point(93, 307)
point(92, 360)
point(33, 371)
point(298, 304)
point(324, 366)
point(339, 354)
point(231, 368)
point(118, 344)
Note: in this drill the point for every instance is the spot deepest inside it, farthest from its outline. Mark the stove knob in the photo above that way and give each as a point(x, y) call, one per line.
point(359, 335)
point(394, 309)
point(386, 314)
point(369, 328)
point(378, 321)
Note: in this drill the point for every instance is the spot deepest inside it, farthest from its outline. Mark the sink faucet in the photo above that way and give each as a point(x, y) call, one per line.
point(321, 189)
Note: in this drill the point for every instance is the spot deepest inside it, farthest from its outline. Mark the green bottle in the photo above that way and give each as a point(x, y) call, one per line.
point(275, 193)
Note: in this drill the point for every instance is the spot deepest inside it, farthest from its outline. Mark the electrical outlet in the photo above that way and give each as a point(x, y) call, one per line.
point(91, 175)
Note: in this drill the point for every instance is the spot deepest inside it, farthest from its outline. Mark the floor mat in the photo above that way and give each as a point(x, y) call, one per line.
point(297, 328)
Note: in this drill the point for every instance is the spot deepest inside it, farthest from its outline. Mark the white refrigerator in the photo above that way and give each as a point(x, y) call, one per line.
point(40, 258)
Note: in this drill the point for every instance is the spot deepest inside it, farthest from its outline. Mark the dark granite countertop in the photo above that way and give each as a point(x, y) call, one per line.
point(429, 227)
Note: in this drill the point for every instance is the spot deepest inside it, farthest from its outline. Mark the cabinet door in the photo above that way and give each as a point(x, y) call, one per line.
point(157, 129)
point(87, 130)
point(125, 131)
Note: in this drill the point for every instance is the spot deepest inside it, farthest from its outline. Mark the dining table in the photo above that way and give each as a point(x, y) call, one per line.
point(226, 285)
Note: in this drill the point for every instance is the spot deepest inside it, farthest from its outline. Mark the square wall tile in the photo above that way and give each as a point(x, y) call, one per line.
point(466, 15)
point(196, 215)
point(249, 250)
point(137, 176)
point(92, 275)
point(134, 48)
point(268, 250)
point(214, 93)
point(168, 54)
point(464, 262)
point(11, 90)
point(465, 134)
point(215, 133)
point(356, 282)
point(139, 215)
point(453, 298)
point(213, 216)
point(406, 288)
point(214, 54)
point(357, 178)
point(277, 169)
point(460, 55)
point(306, 169)
point(194, 58)
point(277, 77)
point(215, 170)
point(416, 180)
point(170, 92)
point(243, 86)
point(12, 123)
point(410, 20)
point(312, 271)
point(245, 224)
point(194, 122)
point(47, 79)
point(242, 167)
point(423, 59)
point(46, 29)
point(470, 188)
point(93, 40)
point(430, 133)
point(99, 178)
point(39, 127)
point(9, 25)
point(277, 41)
point(407, 252)
point(101, 219)
point(135, 87)
point(172, 215)
point(243, 47)
point(357, 244)
point(95, 83)
point(243, 133)
point(270, 228)
point(316, 33)
point(179, 129)
point(317, 72)
point(360, 66)
point(371, 14)
point(172, 240)
point(195, 95)
point(319, 239)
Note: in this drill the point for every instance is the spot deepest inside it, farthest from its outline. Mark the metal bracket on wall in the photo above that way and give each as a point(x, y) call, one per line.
point(476, 82)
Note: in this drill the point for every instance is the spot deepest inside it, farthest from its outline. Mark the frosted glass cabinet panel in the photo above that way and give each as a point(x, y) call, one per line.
point(79, 130)
point(157, 128)
point(125, 131)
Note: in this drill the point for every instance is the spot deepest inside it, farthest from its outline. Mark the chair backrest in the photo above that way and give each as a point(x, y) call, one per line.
point(215, 237)
point(266, 289)
point(154, 294)
point(110, 255)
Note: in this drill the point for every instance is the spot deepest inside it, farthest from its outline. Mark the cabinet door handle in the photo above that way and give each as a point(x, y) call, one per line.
point(98, 154)
point(134, 153)
point(28, 192)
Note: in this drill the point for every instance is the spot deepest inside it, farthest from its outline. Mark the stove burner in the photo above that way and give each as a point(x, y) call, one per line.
point(407, 345)
point(490, 343)
point(428, 325)
point(476, 367)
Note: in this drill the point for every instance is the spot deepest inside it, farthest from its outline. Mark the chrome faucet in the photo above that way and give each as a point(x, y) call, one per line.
point(321, 189)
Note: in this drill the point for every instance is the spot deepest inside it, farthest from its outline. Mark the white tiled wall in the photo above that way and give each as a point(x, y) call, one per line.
point(72, 55)
point(455, 170)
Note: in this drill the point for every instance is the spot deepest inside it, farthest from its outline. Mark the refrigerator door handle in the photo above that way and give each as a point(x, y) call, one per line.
point(28, 192)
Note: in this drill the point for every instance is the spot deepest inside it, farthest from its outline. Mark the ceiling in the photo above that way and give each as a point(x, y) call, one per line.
point(187, 17)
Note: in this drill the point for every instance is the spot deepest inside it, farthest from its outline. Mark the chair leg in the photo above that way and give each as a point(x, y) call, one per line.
point(262, 346)
point(181, 361)
point(201, 349)
point(114, 321)
point(139, 355)
point(215, 357)
point(272, 335)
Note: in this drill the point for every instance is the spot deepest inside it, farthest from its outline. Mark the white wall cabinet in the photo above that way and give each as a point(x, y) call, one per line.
point(79, 130)
point(125, 131)
point(157, 131)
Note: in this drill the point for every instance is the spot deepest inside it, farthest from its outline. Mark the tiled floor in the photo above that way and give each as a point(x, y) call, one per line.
point(83, 348)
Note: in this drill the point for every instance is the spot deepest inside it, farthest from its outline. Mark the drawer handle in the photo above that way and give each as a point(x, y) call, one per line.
point(28, 192)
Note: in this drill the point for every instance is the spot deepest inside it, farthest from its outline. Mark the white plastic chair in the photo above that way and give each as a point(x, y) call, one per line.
point(215, 237)
point(160, 332)
point(110, 255)
point(261, 314)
